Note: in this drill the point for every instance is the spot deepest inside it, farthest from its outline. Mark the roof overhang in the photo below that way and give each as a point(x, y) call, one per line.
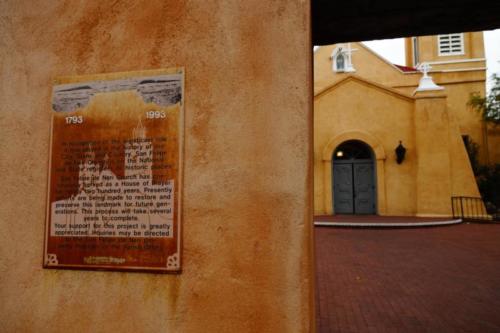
point(356, 20)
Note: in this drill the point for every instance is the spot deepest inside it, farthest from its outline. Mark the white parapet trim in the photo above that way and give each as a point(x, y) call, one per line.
point(460, 70)
point(456, 61)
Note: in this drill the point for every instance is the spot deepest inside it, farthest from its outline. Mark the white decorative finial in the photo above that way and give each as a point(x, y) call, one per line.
point(426, 83)
point(349, 67)
point(424, 68)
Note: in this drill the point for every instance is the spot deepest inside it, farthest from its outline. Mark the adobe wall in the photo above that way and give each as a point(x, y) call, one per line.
point(458, 87)
point(436, 166)
point(443, 168)
point(367, 64)
point(247, 264)
point(367, 111)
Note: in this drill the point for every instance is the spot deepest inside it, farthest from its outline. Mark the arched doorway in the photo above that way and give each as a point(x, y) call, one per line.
point(353, 183)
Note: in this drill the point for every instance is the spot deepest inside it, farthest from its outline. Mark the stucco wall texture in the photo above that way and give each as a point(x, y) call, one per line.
point(430, 132)
point(247, 200)
point(374, 110)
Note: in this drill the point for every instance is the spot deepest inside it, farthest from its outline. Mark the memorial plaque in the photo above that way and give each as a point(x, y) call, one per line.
point(115, 176)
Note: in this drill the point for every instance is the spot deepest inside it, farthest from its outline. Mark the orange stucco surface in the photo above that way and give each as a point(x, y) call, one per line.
point(247, 200)
point(460, 79)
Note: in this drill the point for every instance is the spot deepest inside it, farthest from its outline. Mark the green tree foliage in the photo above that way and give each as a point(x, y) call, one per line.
point(473, 152)
point(487, 178)
point(489, 106)
point(488, 182)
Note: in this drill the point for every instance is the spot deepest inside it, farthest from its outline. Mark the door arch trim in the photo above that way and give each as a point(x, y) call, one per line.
point(380, 156)
point(365, 137)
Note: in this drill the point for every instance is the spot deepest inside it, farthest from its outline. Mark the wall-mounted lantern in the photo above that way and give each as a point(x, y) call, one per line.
point(400, 153)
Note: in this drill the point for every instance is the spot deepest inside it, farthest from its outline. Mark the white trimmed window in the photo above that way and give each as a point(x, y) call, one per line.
point(451, 44)
point(341, 59)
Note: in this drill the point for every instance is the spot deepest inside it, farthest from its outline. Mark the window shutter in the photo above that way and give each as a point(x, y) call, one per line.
point(451, 44)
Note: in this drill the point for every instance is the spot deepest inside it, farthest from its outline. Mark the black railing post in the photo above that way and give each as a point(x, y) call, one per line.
point(453, 207)
point(461, 207)
point(476, 213)
point(474, 206)
point(468, 210)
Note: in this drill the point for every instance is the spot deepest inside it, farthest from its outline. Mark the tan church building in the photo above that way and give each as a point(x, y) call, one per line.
point(389, 139)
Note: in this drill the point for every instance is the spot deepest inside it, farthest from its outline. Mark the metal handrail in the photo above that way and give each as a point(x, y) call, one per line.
point(469, 209)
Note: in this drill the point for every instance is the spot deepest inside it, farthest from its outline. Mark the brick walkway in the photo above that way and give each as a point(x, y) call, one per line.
point(441, 279)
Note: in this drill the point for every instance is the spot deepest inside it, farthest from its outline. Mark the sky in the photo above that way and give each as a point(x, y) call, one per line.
point(394, 50)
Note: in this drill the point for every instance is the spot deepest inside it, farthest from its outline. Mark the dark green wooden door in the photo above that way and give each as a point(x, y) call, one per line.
point(364, 194)
point(343, 189)
point(353, 180)
point(354, 187)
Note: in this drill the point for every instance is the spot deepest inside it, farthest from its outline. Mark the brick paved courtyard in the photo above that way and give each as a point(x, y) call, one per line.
point(440, 279)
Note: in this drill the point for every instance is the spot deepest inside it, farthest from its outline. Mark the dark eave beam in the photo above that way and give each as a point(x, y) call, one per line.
point(356, 20)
